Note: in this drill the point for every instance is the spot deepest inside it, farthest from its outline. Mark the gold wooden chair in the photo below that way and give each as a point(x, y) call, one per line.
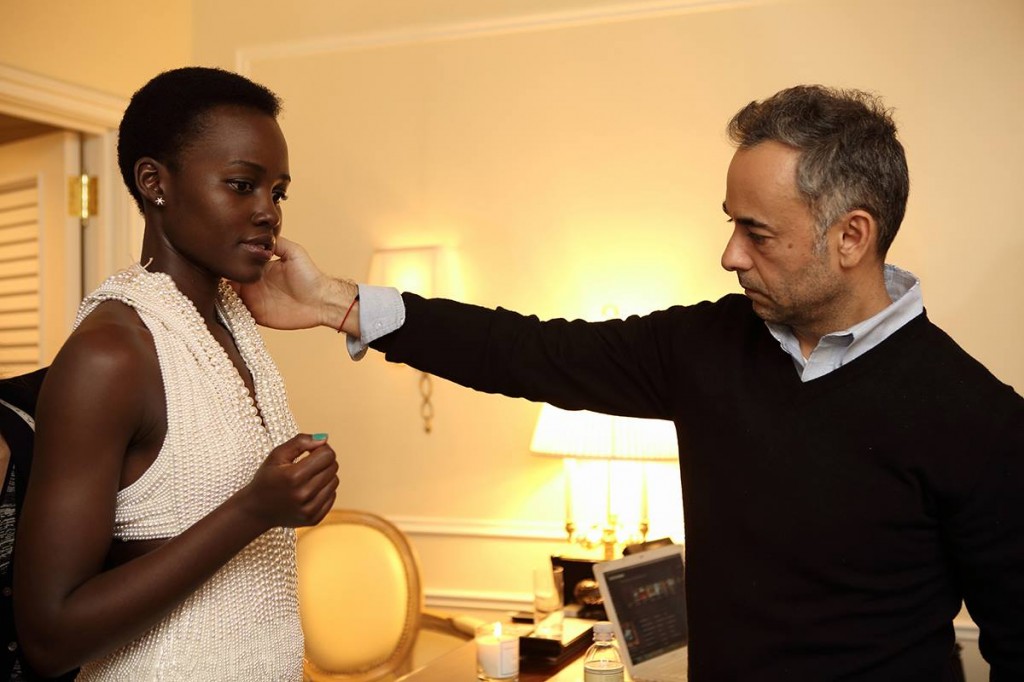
point(361, 600)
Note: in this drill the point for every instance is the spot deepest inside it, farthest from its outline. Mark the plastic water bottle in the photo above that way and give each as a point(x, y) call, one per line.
point(603, 662)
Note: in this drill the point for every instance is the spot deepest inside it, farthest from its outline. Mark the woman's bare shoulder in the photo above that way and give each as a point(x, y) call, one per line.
point(111, 352)
point(111, 332)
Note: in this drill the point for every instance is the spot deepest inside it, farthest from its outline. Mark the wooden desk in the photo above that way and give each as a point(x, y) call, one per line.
point(459, 665)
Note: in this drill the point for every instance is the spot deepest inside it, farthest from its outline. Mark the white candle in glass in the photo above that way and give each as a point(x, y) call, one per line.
point(497, 652)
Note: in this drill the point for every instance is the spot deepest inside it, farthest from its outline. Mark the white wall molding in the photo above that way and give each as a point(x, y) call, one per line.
point(96, 115)
point(481, 528)
point(246, 56)
point(965, 627)
point(38, 98)
point(463, 600)
point(965, 631)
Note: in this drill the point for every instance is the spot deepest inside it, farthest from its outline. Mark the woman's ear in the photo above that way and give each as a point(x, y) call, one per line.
point(149, 174)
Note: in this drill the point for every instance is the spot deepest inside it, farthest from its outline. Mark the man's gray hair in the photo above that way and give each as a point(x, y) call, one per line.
point(850, 157)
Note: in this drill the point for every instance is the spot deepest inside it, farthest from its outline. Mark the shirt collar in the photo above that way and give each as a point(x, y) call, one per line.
point(838, 348)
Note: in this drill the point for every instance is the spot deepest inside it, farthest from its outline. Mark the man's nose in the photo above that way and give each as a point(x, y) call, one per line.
point(735, 257)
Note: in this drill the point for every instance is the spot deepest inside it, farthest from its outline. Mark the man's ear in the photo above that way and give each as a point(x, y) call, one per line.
point(857, 238)
point(149, 175)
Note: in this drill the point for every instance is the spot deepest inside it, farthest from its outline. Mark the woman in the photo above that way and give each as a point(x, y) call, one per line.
point(156, 539)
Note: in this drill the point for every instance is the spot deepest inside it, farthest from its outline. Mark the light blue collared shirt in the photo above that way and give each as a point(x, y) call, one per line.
point(839, 348)
point(381, 311)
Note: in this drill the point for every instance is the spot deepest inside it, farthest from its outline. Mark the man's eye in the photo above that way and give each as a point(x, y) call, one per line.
point(757, 238)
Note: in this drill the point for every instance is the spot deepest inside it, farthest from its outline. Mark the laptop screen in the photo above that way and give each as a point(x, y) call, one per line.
point(650, 606)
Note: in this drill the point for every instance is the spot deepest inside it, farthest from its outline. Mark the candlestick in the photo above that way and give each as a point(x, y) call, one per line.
point(644, 511)
point(568, 469)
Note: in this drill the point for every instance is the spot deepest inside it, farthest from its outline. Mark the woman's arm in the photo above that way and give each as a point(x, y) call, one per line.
point(100, 403)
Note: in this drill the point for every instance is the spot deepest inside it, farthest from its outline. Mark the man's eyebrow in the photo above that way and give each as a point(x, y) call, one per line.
point(744, 220)
point(255, 167)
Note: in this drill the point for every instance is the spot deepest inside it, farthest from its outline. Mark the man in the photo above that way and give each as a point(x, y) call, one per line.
point(849, 473)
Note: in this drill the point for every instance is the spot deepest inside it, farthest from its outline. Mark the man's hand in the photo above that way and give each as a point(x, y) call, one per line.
point(294, 294)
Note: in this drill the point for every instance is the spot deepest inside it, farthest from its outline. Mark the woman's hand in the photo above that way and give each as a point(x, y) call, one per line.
point(291, 490)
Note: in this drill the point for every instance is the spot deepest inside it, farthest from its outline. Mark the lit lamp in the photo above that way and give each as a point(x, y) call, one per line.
point(619, 445)
point(410, 269)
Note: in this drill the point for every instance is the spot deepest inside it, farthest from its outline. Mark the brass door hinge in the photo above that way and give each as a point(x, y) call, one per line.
point(82, 196)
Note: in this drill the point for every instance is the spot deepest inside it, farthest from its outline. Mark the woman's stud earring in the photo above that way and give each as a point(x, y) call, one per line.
point(159, 201)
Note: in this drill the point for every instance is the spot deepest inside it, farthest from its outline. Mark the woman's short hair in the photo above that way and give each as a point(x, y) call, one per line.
point(169, 112)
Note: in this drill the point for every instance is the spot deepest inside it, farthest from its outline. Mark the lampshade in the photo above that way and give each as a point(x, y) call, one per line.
point(619, 448)
point(583, 434)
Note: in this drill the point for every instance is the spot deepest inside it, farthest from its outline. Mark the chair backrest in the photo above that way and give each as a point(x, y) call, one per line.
point(360, 597)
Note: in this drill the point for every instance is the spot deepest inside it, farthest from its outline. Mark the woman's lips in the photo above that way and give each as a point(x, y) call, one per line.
point(260, 250)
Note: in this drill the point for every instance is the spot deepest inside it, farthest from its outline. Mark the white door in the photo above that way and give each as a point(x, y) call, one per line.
point(40, 250)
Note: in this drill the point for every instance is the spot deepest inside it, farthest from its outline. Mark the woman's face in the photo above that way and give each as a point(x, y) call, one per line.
point(223, 210)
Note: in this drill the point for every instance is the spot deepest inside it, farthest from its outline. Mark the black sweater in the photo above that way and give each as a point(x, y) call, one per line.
point(832, 526)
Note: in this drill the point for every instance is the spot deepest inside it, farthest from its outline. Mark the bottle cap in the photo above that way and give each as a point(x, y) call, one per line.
point(603, 629)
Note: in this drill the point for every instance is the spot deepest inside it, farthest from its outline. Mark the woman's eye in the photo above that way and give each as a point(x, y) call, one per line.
point(240, 186)
point(279, 197)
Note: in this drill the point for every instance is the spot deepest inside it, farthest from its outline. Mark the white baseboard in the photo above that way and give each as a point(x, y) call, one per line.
point(478, 528)
point(463, 600)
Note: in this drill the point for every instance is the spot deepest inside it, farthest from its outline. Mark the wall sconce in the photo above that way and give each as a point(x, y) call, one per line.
point(416, 270)
point(617, 446)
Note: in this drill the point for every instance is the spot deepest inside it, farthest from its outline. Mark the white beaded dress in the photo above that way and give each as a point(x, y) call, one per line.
point(243, 623)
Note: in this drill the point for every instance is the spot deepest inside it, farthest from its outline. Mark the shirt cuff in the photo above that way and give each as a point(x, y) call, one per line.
point(381, 311)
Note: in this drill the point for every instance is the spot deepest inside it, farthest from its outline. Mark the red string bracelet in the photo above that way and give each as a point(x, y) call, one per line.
point(350, 307)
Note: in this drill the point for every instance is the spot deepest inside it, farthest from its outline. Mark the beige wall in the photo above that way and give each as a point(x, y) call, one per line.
point(571, 155)
point(113, 46)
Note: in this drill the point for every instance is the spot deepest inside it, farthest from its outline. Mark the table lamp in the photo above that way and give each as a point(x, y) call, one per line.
point(623, 442)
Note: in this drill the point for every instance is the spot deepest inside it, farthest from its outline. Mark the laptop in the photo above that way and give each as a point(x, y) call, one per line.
point(645, 601)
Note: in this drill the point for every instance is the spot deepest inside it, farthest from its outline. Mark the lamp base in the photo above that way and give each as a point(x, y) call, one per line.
point(574, 572)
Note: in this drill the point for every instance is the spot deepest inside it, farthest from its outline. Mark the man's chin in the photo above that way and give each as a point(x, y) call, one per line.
point(766, 312)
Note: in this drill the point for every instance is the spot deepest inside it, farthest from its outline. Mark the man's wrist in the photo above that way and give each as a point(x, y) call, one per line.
point(336, 300)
